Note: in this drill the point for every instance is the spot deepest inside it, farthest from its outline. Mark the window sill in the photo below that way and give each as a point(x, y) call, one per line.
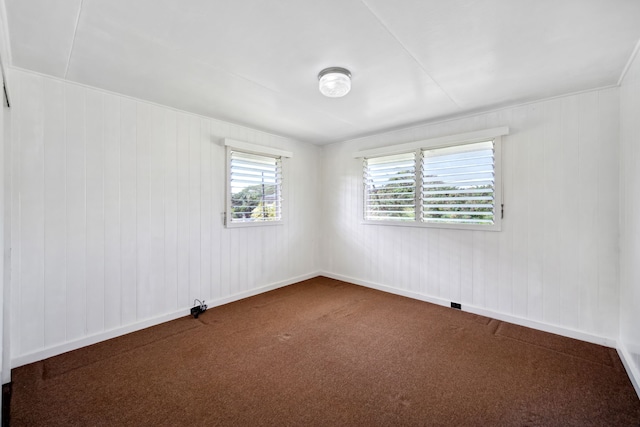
point(471, 227)
point(253, 224)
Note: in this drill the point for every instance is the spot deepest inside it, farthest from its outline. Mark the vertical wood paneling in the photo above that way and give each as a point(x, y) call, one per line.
point(433, 270)
point(285, 237)
point(544, 264)
point(217, 164)
point(354, 187)
point(157, 143)
point(225, 262)
point(55, 262)
point(195, 146)
point(116, 214)
point(250, 254)
point(553, 244)
point(95, 211)
point(270, 258)
point(374, 271)
point(5, 244)
point(239, 244)
point(128, 212)
point(587, 220)
point(16, 325)
point(447, 247)
point(571, 155)
point(112, 211)
point(32, 215)
point(629, 220)
point(609, 206)
point(205, 210)
point(412, 240)
point(535, 227)
point(171, 211)
point(143, 211)
point(394, 241)
point(76, 241)
point(513, 293)
point(224, 234)
point(466, 267)
point(182, 157)
point(478, 274)
point(386, 253)
point(499, 256)
point(498, 269)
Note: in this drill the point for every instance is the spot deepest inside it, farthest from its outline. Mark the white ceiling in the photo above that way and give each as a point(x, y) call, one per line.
point(255, 62)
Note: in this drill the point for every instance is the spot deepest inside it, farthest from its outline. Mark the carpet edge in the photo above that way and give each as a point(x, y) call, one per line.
point(545, 327)
point(56, 350)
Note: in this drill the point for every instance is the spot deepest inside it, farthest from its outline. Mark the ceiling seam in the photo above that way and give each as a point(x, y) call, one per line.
point(73, 40)
point(471, 114)
point(240, 76)
point(157, 104)
point(6, 37)
point(392, 34)
point(246, 79)
point(632, 57)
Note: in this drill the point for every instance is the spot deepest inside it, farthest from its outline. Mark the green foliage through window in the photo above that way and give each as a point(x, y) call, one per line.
point(390, 185)
point(255, 188)
point(456, 183)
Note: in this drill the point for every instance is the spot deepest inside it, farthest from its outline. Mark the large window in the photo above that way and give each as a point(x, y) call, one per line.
point(254, 185)
point(438, 183)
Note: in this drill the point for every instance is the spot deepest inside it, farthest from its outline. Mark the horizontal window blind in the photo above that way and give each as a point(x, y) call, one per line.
point(390, 183)
point(255, 187)
point(458, 184)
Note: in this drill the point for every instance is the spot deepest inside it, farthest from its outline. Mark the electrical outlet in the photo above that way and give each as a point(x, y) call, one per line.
point(456, 305)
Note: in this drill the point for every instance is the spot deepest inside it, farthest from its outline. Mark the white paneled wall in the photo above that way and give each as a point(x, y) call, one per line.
point(630, 221)
point(116, 216)
point(5, 366)
point(555, 263)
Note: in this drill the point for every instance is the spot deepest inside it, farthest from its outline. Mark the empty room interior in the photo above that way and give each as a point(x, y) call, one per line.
point(348, 212)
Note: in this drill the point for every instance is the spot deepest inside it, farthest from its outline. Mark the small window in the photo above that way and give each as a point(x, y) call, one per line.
point(390, 188)
point(255, 188)
point(435, 184)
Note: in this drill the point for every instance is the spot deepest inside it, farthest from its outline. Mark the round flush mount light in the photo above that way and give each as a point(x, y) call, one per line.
point(334, 82)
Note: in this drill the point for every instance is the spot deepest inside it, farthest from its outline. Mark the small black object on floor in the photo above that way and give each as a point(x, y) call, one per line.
point(198, 309)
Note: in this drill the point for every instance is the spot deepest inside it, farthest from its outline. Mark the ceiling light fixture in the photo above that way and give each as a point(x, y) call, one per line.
point(334, 82)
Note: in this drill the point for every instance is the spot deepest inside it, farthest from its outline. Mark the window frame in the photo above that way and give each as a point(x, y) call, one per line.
point(417, 147)
point(247, 148)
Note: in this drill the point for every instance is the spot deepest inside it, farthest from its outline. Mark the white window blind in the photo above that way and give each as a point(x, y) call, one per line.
point(458, 184)
point(255, 184)
point(390, 184)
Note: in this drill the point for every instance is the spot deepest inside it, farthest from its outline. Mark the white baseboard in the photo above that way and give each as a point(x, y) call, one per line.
point(143, 324)
point(554, 329)
point(630, 366)
point(95, 338)
point(102, 336)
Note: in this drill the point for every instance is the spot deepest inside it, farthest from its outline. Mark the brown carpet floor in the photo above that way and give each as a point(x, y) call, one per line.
point(325, 352)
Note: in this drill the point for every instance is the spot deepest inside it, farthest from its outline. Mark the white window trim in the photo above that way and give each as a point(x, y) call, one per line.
point(494, 134)
point(443, 141)
point(256, 149)
point(235, 145)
